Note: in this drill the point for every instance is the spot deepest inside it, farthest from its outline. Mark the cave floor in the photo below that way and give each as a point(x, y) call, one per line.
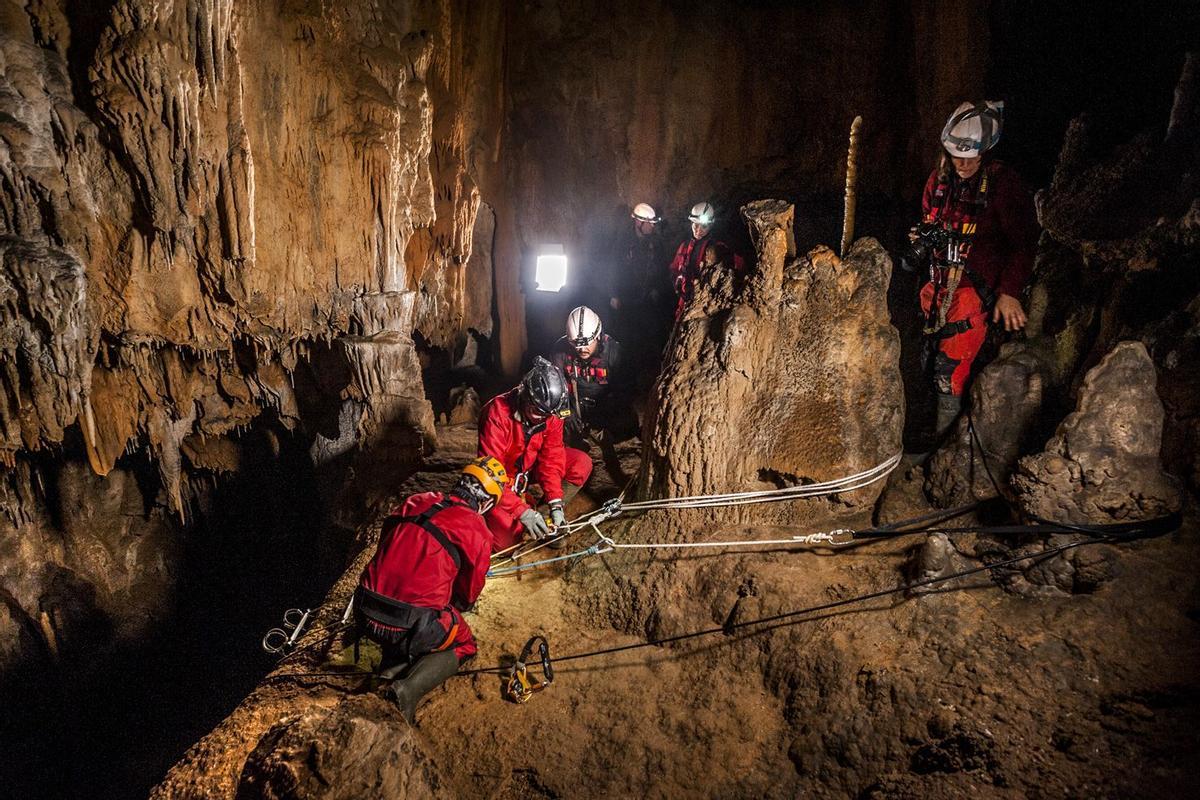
point(970, 691)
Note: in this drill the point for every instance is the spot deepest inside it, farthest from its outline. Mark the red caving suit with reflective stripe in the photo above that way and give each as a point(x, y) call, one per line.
point(689, 263)
point(411, 566)
point(1001, 255)
point(541, 453)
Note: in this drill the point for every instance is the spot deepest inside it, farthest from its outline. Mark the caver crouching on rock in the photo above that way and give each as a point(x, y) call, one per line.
point(977, 238)
point(433, 556)
point(591, 361)
point(523, 430)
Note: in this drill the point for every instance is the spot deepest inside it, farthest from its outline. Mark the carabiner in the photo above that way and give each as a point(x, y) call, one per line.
point(520, 686)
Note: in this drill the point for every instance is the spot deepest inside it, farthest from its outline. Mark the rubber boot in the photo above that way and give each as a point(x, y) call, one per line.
point(569, 492)
point(429, 672)
point(949, 406)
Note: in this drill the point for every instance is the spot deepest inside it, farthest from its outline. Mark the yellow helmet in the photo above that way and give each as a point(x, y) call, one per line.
point(490, 474)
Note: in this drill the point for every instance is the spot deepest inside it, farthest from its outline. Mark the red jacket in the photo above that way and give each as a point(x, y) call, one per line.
point(1006, 234)
point(689, 262)
point(502, 436)
point(412, 567)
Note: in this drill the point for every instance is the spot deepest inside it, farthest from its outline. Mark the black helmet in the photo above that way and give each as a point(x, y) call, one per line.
point(543, 389)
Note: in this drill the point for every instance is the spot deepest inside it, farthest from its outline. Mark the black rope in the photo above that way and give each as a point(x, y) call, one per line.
point(1120, 531)
point(810, 609)
point(1097, 534)
point(1158, 529)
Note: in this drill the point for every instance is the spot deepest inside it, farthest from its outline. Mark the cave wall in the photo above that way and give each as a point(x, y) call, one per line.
point(671, 103)
point(218, 218)
point(210, 174)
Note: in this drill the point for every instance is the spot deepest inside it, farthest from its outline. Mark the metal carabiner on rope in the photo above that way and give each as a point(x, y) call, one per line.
point(520, 686)
point(282, 640)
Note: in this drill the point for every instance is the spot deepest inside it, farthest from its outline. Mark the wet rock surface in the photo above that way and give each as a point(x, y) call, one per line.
point(1102, 465)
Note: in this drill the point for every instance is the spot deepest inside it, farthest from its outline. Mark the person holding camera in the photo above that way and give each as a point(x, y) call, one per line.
point(977, 238)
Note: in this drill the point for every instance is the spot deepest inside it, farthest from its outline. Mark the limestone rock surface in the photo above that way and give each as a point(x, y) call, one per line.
point(92, 569)
point(1006, 400)
point(1102, 466)
point(176, 195)
point(785, 375)
point(359, 748)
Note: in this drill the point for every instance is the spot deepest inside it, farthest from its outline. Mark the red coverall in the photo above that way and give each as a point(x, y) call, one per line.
point(689, 263)
point(1001, 255)
point(413, 567)
point(502, 435)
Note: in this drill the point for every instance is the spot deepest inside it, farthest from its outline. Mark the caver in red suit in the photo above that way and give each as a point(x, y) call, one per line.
point(529, 448)
point(429, 568)
point(994, 218)
point(693, 258)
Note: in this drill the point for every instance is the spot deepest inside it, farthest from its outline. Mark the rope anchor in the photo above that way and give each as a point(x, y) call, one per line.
point(520, 686)
point(281, 641)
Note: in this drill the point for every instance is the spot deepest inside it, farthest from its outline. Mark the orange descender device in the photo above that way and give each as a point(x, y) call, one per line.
point(521, 686)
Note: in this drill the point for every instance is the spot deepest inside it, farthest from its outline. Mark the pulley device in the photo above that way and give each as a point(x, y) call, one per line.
point(281, 641)
point(520, 686)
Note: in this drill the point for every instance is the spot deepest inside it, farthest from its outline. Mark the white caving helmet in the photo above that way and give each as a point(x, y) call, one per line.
point(583, 326)
point(703, 214)
point(973, 129)
point(644, 212)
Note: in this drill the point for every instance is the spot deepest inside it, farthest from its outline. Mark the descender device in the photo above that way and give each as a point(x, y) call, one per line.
point(521, 686)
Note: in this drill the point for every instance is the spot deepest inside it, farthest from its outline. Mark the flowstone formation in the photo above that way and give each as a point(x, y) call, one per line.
point(785, 375)
point(217, 217)
point(1102, 466)
point(781, 376)
point(1006, 403)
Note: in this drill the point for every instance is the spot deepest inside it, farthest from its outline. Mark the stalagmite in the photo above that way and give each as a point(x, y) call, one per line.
point(851, 188)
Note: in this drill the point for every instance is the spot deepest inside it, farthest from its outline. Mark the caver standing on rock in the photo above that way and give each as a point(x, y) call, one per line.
point(638, 283)
point(591, 362)
point(433, 556)
point(523, 430)
point(700, 254)
point(978, 235)
point(641, 293)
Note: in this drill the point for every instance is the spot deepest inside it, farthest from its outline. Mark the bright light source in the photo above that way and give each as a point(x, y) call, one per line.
point(551, 273)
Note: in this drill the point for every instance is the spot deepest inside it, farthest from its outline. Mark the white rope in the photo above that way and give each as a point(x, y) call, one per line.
point(830, 538)
point(835, 486)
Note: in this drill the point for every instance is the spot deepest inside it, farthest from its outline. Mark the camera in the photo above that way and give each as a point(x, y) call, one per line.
point(931, 237)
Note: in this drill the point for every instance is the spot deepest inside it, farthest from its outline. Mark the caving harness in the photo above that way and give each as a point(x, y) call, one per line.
point(949, 257)
point(394, 621)
point(520, 686)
